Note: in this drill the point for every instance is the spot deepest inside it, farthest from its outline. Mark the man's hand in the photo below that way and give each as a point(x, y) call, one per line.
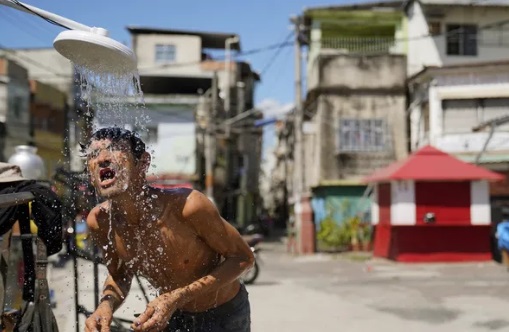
point(157, 315)
point(101, 319)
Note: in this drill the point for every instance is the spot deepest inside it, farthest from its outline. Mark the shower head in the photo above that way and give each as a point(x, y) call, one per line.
point(95, 51)
point(83, 45)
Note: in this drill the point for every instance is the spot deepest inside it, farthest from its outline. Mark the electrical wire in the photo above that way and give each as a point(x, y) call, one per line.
point(31, 61)
point(20, 27)
point(276, 54)
point(22, 19)
point(37, 14)
point(280, 73)
point(237, 55)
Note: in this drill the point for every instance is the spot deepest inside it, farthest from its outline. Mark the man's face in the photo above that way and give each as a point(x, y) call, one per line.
point(112, 167)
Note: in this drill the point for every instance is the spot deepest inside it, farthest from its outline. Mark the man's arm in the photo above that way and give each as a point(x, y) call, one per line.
point(118, 283)
point(201, 214)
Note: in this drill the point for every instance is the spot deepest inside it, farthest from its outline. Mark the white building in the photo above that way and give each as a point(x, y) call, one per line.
point(448, 32)
point(459, 77)
point(448, 103)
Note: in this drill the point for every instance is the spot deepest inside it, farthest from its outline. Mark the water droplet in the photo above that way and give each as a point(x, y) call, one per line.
point(160, 250)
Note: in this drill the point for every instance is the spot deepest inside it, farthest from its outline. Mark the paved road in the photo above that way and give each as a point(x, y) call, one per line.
point(340, 293)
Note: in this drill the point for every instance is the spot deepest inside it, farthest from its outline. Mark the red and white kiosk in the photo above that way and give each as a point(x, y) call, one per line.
point(432, 207)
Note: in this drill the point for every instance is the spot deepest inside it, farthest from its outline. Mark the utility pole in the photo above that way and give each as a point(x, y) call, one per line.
point(210, 131)
point(243, 138)
point(298, 176)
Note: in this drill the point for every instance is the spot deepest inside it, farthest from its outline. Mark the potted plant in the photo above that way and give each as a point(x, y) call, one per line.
point(366, 236)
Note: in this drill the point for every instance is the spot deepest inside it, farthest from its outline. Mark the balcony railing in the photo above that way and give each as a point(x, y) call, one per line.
point(362, 45)
point(494, 37)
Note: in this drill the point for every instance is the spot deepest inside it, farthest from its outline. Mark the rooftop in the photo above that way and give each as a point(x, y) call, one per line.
point(477, 3)
point(210, 40)
point(460, 67)
point(357, 6)
point(431, 164)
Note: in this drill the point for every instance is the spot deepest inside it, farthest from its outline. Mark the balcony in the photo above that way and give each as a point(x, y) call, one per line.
point(361, 45)
point(465, 143)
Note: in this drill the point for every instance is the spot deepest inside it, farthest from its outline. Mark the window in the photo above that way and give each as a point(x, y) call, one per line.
point(165, 53)
point(434, 28)
point(17, 107)
point(462, 39)
point(362, 135)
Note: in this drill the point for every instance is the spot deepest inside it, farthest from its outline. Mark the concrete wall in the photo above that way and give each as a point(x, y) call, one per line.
point(470, 84)
point(188, 61)
point(174, 152)
point(14, 107)
point(48, 107)
point(431, 51)
point(348, 72)
point(371, 87)
point(48, 66)
point(335, 164)
point(187, 48)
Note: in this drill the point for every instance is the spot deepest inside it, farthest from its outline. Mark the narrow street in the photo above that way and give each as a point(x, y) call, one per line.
point(343, 292)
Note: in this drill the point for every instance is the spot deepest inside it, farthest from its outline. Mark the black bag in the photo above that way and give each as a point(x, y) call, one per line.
point(46, 211)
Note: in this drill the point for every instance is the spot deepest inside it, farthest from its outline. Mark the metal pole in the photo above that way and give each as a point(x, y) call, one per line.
point(297, 118)
point(76, 277)
point(209, 141)
point(242, 217)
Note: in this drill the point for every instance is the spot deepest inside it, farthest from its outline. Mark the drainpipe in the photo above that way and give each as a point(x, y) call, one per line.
point(228, 44)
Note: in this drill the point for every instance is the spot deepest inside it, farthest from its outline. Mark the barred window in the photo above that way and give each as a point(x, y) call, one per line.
point(362, 135)
point(165, 53)
point(462, 39)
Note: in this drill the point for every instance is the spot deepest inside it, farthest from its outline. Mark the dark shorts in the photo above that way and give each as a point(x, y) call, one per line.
point(232, 316)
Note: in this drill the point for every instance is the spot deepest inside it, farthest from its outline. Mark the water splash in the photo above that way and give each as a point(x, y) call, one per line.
point(113, 99)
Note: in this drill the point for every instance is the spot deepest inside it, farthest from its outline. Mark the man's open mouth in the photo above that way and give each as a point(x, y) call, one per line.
point(107, 176)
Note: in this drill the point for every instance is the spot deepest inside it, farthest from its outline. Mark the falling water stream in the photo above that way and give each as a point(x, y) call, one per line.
point(116, 100)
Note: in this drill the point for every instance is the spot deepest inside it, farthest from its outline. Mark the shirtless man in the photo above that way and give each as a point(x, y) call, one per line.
point(176, 239)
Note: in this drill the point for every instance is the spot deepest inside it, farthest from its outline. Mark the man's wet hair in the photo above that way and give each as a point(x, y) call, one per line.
point(116, 134)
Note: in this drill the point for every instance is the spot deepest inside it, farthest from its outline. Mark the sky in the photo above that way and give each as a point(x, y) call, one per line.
point(259, 23)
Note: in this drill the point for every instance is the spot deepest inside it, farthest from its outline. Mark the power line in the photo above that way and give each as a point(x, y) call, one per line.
point(31, 61)
point(15, 23)
point(280, 72)
point(21, 19)
point(278, 47)
point(237, 55)
point(37, 14)
point(276, 54)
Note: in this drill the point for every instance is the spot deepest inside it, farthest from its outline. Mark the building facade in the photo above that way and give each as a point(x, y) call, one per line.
point(449, 32)
point(177, 72)
point(463, 110)
point(48, 111)
point(355, 107)
point(15, 128)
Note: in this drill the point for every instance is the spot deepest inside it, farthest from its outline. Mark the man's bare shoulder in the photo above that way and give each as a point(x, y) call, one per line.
point(185, 200)
point(98, 212)
point(174, 197)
